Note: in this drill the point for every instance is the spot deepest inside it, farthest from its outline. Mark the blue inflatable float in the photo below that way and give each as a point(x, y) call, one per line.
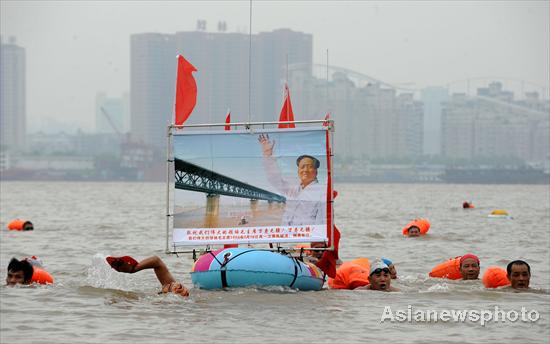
point(243, 267)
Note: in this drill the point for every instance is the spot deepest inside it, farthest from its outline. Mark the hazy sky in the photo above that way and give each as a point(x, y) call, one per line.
point(77, 48)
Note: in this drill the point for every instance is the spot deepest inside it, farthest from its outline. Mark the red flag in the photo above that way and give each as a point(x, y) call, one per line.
point(186, 90)
point(228, 121)
point(327, 263)
point(286, 112)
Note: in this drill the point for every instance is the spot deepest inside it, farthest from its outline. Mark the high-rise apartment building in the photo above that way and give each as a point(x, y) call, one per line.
point(372, 122)
point(222, 62)
point(433, 99)
point(152, 86)
point(12, 96)
point(493, 127)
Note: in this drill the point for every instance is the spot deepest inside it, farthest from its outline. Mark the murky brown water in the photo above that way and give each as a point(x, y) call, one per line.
point(78, 224)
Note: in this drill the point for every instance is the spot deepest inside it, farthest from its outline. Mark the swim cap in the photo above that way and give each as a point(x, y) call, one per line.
point(387, 261)
point(378, 265)
point(469, 255)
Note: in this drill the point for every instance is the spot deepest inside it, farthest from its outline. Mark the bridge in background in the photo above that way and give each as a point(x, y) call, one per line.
point(195, 178)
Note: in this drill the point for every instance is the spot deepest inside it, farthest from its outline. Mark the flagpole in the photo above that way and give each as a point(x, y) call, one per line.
point(286, 87)
point(327, 85)
point(287, 68)
point(250, 63)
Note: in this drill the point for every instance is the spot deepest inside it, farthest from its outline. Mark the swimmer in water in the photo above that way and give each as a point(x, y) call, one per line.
point(519, 274)
point(380, 277)
point(413, 231)
point(469, 267)
point(19, 272)
point(129, 265)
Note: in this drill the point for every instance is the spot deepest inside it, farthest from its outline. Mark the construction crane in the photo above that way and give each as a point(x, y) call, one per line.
point(111, 123)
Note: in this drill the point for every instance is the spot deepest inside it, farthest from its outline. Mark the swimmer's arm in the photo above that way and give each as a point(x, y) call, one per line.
point(161, 270)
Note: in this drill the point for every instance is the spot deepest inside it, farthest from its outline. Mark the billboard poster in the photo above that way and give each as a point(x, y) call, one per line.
point(265, 186)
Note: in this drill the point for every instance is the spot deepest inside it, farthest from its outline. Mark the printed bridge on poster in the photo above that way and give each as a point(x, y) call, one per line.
point(195, 178)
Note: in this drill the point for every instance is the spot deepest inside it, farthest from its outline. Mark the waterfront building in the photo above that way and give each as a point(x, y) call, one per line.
point(12, 96)
point(433, 99)
point(222, 62)
point(493, 128)
point(372, 122)
point(152, 86)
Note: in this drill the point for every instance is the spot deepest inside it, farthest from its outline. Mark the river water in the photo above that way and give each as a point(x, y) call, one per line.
point(78, 224)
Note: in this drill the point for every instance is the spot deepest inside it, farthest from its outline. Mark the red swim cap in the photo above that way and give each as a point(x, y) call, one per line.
point(469, 255)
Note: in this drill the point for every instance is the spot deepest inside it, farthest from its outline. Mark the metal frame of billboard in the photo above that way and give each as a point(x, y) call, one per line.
point(327, 124)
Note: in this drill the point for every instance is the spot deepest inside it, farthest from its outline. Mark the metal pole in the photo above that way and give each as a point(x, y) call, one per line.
point(250, 63)
point(168, 160)
point(250, 124)
point(327, 85)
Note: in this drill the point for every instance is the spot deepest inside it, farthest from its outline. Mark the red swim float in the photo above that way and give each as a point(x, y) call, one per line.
point(422, 224)
point(41, 276)
point(351, 275)
point(495, 277)
point(20, 225)
point(449, 269)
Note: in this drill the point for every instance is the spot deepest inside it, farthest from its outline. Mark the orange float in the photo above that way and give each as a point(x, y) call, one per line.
point(20, 225)
point(351, 275)
point(449, 269)
point(495, 277)
point(41, 276)
point(422, 224)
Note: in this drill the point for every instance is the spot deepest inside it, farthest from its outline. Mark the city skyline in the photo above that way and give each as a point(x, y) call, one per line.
point(428, 43)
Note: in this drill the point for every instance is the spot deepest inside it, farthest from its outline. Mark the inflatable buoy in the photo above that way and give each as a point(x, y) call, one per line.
point(364, 262)
point(20, 225)
point(422, 224)
point(495, 277)
point(449, 269)
point(351, 275)
point(41, 276)
point(243, 267)
point(500, 213)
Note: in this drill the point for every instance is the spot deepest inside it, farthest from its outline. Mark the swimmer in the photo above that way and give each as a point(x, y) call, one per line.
point(413, 231)
point(469, 267)
point(313, 256)
point(467, 205)
point(19, 272)
point(380, 278)
point(519, 274)
point(129, 265)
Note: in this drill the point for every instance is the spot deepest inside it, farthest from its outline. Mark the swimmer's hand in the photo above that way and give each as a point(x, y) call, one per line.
point(176, 288)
